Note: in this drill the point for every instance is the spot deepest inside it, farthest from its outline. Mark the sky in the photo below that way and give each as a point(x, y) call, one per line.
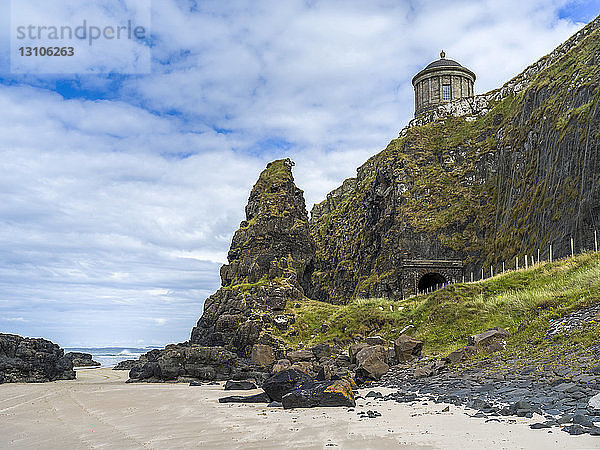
point(120, 191)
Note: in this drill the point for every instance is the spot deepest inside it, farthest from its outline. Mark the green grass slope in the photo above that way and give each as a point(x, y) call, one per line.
point(525, 302)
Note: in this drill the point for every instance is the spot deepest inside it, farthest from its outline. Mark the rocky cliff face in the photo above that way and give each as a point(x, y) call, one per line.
point(518, 172)
point(28, 360)
point(270, 262)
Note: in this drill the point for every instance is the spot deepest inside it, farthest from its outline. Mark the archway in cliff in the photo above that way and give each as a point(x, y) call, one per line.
point(431, 280)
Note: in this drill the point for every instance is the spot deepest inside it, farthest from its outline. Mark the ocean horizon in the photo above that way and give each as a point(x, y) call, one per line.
point(111, 356)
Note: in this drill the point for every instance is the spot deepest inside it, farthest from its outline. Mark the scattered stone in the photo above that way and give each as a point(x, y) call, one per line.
point(275, 405)
point(196, 383)
point(373, 394)
point(407, 348)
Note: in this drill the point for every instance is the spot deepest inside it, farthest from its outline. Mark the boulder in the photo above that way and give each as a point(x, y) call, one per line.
point(336, 393)
point(354, 349)
point(262, 355)
point(300, 355)
point(492, 339)
point(304, 366)
point(245, 385)
point(257, 398)
point(461, 354)
point(32, 360)
point(281, 383)
point(372, 363)
point(407, 348)
point(80, 359)
point(321, 351)
point(372, 350)
point(281, 364)
point(594, 402)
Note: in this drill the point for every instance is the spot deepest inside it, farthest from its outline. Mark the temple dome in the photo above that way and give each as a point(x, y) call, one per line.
point(442, 81)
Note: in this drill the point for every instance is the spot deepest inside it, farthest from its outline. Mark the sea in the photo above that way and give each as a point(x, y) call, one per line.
point(111, 356)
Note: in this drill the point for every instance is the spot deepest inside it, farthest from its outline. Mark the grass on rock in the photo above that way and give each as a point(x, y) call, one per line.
point(524, 302)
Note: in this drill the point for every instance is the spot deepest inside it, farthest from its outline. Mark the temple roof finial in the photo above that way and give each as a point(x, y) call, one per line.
point(442, 54)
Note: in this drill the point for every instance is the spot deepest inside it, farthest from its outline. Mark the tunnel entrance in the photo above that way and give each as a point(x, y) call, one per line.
point(431, 280)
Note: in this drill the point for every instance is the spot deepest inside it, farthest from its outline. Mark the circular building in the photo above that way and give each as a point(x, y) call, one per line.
point(440, 82)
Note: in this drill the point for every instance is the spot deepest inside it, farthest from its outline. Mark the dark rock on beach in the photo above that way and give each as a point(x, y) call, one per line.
point(80, 359)
point(32, 360)
point(257, 398)
point(285, 382)
point(326, 393)
point(239, 385)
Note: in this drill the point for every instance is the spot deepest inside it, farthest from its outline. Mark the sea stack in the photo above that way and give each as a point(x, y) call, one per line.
point(270, 263)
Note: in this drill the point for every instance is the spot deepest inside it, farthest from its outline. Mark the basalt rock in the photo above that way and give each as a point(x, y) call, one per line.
point(80, 359)
point(325, 393)
point(270, 263)
point(178, 361)
point(284, 382)
point(31, 360)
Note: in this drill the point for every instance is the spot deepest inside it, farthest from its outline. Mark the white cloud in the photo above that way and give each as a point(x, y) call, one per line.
point(119, 209)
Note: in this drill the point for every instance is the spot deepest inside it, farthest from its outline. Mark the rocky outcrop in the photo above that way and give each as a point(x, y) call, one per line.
point(181, 362)
point(270, 262)
point(31, 360)
point(516, 171)
point(80, 359)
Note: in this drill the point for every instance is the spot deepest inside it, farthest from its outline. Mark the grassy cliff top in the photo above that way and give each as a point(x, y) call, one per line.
point(525, 302)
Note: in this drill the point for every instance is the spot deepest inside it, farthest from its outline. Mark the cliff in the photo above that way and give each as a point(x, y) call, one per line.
point(481, 180)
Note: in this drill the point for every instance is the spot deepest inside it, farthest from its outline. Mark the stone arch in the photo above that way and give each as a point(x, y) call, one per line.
point(431, 279)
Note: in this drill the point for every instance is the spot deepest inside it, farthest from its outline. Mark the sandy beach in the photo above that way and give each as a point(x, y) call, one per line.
point(98, 410)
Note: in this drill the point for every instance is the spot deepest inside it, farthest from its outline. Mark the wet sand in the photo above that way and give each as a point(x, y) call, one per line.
point(100, 410)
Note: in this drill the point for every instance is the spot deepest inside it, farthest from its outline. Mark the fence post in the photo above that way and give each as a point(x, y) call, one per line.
point(502, 266)
point(572, 248)
point(550, 252)
point(517, 262)
point(491, 271)
point(471, 276)
point(482, 274)
point(538, 255)
point(596, 240)
point(526, 258)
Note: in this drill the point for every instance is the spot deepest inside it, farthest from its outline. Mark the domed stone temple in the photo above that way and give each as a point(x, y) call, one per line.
point(440, 82)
